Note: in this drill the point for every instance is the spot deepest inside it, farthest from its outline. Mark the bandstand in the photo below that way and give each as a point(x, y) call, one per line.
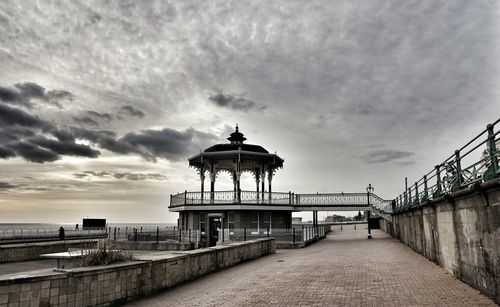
point(210, 210)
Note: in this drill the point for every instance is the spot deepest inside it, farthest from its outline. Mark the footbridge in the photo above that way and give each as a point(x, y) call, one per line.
point(252, 200)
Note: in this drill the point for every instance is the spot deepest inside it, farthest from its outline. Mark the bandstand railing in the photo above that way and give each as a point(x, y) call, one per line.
point(475, 162)
point(231, 197)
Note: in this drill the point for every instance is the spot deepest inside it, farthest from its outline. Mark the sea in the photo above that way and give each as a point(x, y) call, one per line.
point(46, 226)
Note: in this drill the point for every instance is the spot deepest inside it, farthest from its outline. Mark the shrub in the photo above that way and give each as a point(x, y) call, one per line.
point(103, 256)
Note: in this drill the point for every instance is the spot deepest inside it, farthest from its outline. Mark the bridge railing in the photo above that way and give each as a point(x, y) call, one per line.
point(278, 198)
point(475, 162)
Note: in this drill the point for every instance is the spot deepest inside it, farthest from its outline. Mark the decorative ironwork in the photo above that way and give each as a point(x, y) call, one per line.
point(480, 157)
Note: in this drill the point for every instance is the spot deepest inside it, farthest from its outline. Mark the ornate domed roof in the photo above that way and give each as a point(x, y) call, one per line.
point(236, 143)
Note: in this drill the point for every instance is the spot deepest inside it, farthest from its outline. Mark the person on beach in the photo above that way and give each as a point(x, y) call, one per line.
point(61, 233)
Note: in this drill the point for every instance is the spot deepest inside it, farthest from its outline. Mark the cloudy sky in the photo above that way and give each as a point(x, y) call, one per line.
point(101, 102)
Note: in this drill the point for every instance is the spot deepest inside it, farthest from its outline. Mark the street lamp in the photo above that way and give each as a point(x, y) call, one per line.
point(369, 190)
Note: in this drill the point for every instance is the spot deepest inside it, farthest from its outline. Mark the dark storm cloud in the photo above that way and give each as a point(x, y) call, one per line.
point(6, 185)
point(14, 116)
point(6, 153)
point(101, 116)
point(106, 140)
point(131, 111)
point(93, 118)
point(386, 155)
point(36, 140)
point(121, 175)
point(150, 144)
point(33, 153)
point(168, 143)
point(69, 148)
point(23, 93)
point(235, 103)
point(86, 120)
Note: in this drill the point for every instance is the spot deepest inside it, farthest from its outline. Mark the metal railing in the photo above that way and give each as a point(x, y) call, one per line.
point(229, 197)
point(49, 233)
point(475, 162)
point(276, 198)
point(156, 234)
point(283, 235)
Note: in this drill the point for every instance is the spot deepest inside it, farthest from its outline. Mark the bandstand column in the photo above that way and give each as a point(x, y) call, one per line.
point(270, 179)
point(202, 179)
point(235, 185)
point(212, 186)
point(263, 176)
point(238, 189)
point(257, 181)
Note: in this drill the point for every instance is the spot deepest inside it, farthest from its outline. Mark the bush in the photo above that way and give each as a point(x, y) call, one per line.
point(103, 256)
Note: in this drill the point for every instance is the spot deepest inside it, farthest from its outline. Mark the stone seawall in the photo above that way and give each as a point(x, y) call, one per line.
point(460, 232)
point(150, 246)
point(31, 251)
point(115, 284)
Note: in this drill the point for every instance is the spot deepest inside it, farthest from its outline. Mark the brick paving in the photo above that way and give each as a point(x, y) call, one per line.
point(345, 269)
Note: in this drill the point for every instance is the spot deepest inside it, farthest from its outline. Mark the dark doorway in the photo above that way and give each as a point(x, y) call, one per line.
point(215, 225)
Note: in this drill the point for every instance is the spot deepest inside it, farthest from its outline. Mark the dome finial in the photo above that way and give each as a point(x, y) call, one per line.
point(237, 137)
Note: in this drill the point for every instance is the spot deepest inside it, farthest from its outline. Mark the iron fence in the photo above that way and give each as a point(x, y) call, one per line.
point(475, 162)
point(156, 234)
point(281, 235)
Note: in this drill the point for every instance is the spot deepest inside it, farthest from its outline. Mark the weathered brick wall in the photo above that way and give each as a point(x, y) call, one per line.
point(115, 284)
point(30, 251)
point(461, 233)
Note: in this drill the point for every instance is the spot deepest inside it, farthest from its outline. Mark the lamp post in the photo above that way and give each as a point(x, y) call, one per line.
point(369, 190)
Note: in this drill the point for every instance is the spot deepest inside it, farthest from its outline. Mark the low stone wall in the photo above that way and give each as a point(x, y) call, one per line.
point(461, 233)
point(115, 284)
point(150, 246)
point(31, 251)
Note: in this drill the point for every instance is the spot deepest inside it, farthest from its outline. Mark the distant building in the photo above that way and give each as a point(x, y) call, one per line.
point(336, 218)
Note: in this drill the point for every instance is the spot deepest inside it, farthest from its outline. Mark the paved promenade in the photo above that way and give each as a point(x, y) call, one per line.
point(345, 269)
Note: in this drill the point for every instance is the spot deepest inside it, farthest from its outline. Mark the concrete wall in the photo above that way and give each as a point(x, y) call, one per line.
point(31, 251)
point(461, 233)
point(115, 284)
point(150, 246)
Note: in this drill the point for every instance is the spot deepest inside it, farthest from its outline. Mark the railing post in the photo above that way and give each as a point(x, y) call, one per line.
point(244, 234)
point(114, 234)
point(426, 192)
point(293, 231)
point(157, 234)
point(459, 168)
point(417, 200)
point(180, 235)
point(185, 197)
point(438, 180)
point(289, 197)
point(189, 234)
point(406, 192)
point(492, 147)
point(268, 232)
point(303, 234)
point(135, 234)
